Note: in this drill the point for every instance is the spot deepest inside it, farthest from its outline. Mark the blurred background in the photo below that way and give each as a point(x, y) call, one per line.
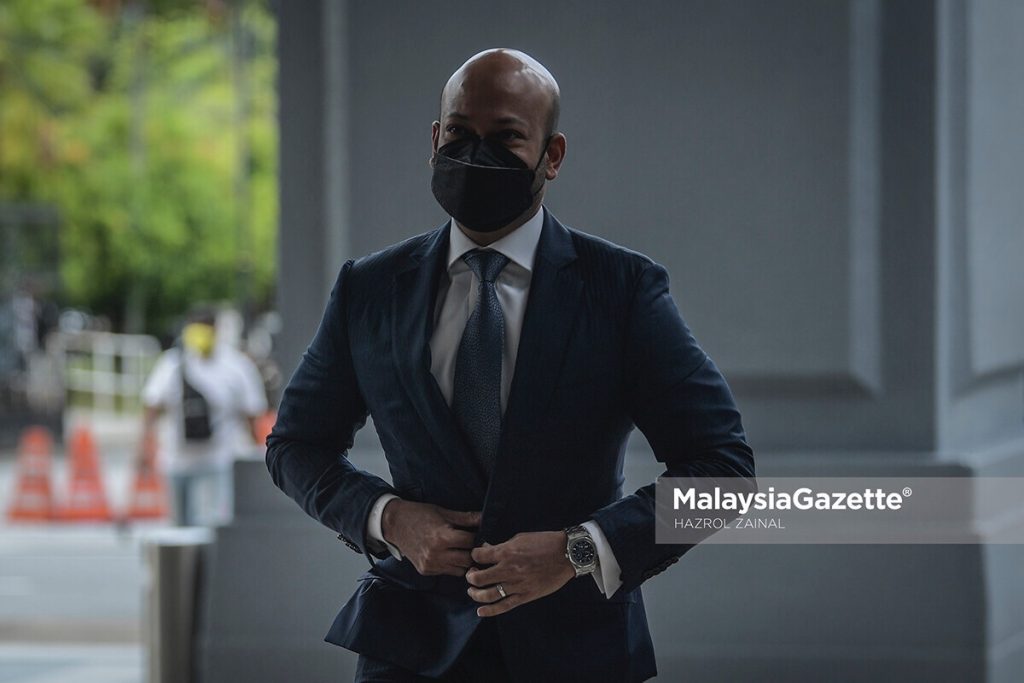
point(138, 178)
point(833, 186)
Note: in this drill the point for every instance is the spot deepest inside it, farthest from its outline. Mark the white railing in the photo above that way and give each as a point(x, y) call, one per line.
point(106, 371)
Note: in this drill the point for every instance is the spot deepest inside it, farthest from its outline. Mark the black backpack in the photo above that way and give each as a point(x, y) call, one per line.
point(195, 409)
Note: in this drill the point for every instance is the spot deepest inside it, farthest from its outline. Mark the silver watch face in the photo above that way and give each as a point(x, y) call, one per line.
point(582, 552)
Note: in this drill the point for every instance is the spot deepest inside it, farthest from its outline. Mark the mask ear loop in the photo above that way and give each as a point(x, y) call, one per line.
point(544, 152)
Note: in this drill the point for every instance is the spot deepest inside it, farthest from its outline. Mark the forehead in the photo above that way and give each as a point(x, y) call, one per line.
point(497, 97)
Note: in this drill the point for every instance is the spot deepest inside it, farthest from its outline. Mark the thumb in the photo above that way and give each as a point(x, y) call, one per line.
point(468, 519)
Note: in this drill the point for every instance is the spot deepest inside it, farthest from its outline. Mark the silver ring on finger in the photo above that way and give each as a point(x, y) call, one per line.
point(501, 591)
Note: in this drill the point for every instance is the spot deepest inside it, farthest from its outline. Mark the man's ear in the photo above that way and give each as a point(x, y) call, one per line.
point(435, 135)
point(555, 154)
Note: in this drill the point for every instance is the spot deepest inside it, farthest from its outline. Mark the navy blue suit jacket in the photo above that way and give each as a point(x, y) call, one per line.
point(603, 349)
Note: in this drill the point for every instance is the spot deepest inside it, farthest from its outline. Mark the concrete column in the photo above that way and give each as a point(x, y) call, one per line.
point(313, 234)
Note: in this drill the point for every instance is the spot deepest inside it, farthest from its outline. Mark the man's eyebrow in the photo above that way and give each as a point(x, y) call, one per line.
point(511, 120)
point(504, 120)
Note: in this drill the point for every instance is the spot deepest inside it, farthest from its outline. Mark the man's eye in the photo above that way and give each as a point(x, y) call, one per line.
point(455, 130)
point(507, 135)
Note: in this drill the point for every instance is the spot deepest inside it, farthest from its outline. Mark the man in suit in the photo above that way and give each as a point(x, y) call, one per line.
point(504, 359)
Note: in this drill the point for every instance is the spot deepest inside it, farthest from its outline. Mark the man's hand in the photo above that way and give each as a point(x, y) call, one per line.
point(528, 566)
point(434, 539)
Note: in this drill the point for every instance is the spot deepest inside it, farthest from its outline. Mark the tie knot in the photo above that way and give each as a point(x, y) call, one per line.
point(485, 263)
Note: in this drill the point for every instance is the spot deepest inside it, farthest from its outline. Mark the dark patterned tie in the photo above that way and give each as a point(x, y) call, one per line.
point(476, 396)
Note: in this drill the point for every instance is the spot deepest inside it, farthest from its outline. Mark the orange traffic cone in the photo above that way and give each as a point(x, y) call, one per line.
point(149, 496)
point(87, 500)
point(33, 493)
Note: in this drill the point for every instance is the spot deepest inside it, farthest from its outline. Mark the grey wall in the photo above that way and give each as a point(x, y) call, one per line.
point(980, 232)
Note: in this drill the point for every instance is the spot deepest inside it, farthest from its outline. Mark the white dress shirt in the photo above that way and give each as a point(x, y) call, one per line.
point(456, 299)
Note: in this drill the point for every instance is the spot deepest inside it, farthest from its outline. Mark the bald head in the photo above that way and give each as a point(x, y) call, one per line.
point(509, 72)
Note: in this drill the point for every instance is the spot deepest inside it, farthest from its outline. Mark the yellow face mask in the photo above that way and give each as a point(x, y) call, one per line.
point(198, 337)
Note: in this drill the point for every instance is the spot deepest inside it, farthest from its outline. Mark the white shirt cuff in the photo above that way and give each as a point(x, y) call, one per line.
point(608, 576)
point(374, 534)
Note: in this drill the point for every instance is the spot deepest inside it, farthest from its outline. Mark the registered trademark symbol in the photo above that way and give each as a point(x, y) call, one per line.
point(906, 491)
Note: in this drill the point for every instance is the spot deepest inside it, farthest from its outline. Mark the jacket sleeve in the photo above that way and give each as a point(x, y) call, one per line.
point(682, 404)
point(320, 413)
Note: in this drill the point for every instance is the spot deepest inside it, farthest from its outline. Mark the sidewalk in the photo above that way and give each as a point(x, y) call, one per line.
point(71, 594)
point(70, 604)
point(43, 663)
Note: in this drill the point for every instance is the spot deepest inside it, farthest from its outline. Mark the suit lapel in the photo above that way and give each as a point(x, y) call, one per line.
point(555, 292)
point(412, 323)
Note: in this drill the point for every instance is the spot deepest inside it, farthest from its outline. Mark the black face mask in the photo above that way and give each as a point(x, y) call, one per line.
point(481, 184)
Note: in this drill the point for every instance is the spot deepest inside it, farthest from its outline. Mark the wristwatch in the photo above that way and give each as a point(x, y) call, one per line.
point(580, 550)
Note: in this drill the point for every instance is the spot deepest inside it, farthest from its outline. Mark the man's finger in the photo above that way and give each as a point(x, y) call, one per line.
point(464, 519)
point(457, 558)
point(502, 606)
point(450, 565)
point(487, 577)
point(489, 594)
point(486, 554)
point(452, 570)
point(455, 538)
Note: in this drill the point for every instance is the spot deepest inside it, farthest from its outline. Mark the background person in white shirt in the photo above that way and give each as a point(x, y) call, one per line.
point(198, 471)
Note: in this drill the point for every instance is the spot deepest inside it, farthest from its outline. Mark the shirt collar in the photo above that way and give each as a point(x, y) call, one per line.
point(520, 245)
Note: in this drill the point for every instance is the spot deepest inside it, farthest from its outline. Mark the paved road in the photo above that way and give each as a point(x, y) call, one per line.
point(48, 663)
point(65, 584)
point(71, 595)
point(70, 605)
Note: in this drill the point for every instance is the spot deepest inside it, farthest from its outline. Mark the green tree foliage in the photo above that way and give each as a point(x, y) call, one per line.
point(155, 140)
